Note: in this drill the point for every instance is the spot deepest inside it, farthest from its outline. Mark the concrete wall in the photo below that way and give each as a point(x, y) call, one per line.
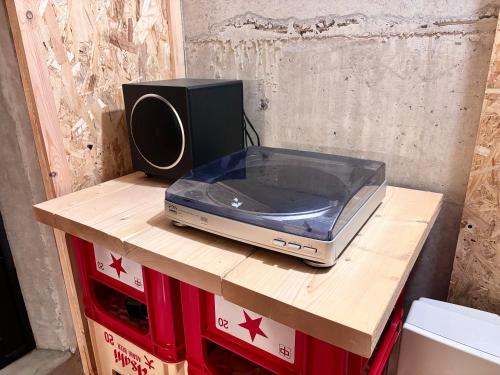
point(32, 244)
point(397, 81)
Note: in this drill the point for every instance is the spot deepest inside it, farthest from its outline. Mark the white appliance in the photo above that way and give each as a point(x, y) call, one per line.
point(441, 338)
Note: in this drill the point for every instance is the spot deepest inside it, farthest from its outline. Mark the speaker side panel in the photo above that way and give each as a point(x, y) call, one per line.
point(216, 121)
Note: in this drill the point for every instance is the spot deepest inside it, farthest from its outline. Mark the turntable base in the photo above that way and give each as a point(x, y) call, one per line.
point(305, 204)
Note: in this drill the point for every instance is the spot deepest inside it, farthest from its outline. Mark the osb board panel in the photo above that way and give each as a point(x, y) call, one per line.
point(476, 273)
point(92, 47)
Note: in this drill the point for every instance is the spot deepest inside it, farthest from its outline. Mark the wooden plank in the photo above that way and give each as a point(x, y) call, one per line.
point(475, 279)
point(56, 176)
point(347, 305)
point(127, 216)
point(94, 213)
point(493, 80)
point(177, 61)
point(107, 215)
point(195, 257)
point(24, 20)
point(45, 211)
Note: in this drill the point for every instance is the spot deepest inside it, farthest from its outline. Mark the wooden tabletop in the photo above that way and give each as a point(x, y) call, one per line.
point(347, 305)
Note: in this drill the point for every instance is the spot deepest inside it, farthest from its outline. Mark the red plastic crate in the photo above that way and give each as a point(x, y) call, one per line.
point(136, 302)
point(216, 342)
point(389, 337)
point(116, 356)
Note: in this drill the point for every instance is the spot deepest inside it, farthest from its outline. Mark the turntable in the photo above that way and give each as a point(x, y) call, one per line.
point(309, 205)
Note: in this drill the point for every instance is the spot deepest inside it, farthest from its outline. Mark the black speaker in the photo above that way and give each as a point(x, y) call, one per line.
point(178, 124)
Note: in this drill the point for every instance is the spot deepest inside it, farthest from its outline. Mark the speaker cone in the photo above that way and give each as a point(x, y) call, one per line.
point(157, 131)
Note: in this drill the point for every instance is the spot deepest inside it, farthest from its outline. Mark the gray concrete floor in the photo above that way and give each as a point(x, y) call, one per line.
point(45, 362)
point(72, 366)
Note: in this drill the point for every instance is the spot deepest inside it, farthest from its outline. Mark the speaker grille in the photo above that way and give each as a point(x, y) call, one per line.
point(157, 131)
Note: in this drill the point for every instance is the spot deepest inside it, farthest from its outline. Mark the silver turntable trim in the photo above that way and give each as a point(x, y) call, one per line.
point(314, 252)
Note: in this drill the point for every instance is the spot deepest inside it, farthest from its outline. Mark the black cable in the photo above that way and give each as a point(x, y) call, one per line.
point(247, 135)
point(251, 126)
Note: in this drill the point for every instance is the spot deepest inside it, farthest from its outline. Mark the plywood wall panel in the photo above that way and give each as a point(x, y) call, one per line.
point(476, 274)
point(91, 48)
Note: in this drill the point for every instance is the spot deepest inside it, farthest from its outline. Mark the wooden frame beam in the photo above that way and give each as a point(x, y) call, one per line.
point(56, 175)
point(176, 37)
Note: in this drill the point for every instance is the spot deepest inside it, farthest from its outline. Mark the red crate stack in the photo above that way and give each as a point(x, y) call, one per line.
point(223, 338)
point(135, 302)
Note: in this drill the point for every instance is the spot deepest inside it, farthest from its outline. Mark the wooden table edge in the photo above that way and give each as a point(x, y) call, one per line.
point(171, 267)
point(300, 319)
point(177, 270)
point(383, 321)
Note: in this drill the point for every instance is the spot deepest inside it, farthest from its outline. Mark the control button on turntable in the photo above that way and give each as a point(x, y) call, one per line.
point(309, 250)
point(279, 242)
point(293, 246)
